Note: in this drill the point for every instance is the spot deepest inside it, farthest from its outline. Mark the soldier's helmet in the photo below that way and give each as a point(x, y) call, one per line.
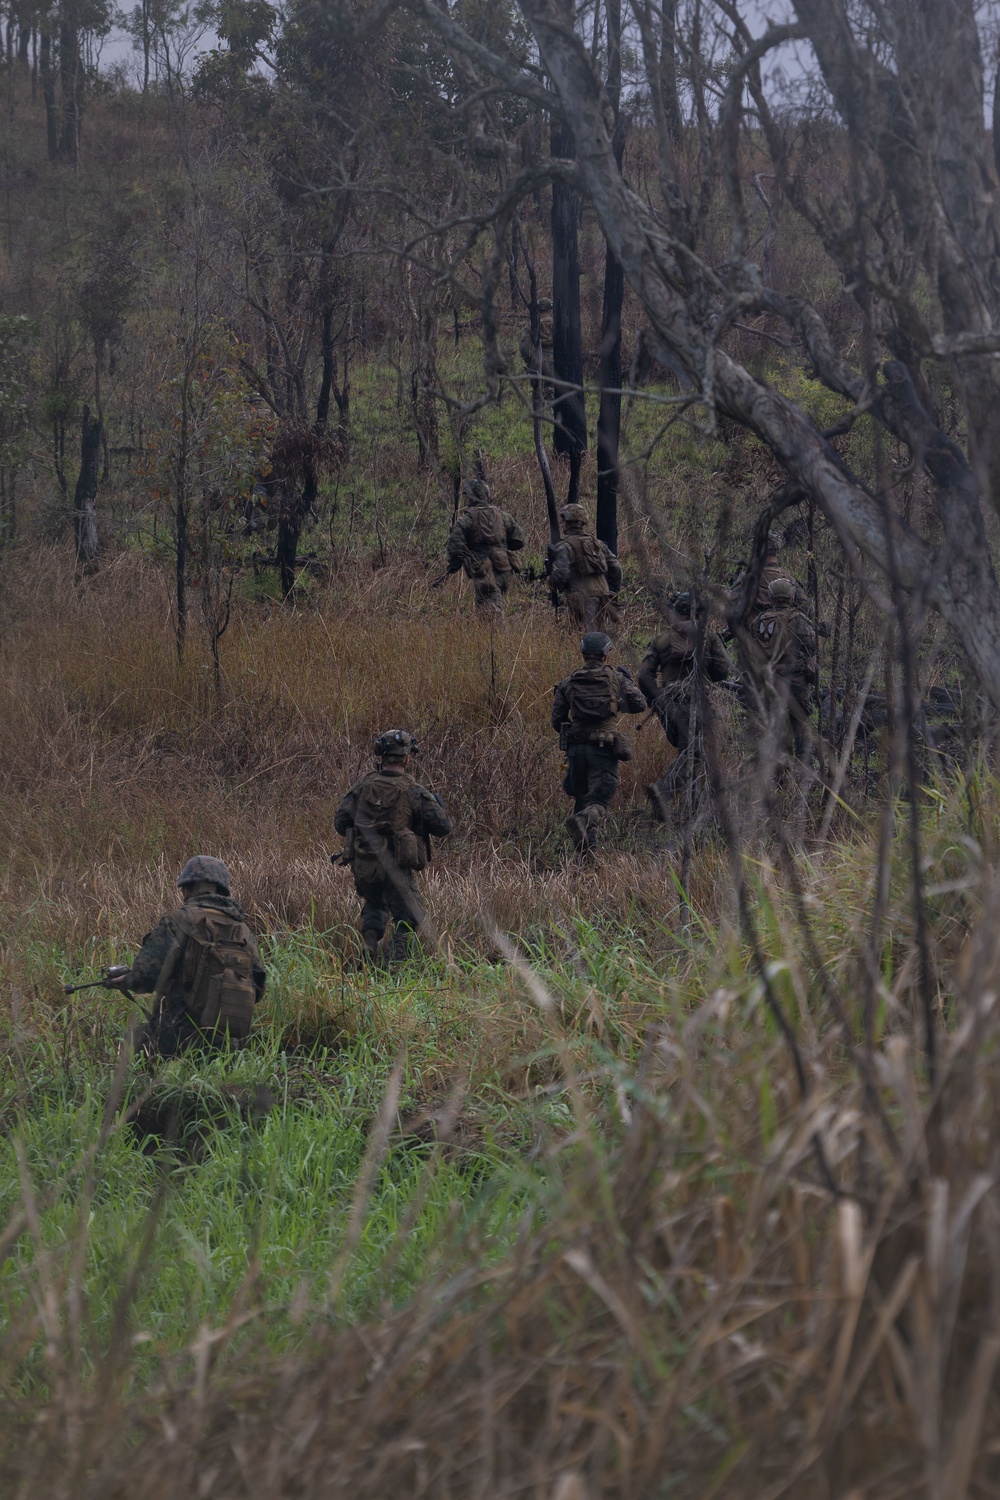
point(205, 867)
point(682, 604)
point(775, 542)
point(781, 591)
point(395, 744)
point(573, 517)
point(596, 643)
point(544, 304)
point(476, 491)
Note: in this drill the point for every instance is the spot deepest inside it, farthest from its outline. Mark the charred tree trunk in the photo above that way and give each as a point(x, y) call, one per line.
point(49, 95)
point(568, 410)
point(609, 418)
point(85, 496)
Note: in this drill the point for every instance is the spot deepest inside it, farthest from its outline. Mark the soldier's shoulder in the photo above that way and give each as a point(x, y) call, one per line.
point(659, 643)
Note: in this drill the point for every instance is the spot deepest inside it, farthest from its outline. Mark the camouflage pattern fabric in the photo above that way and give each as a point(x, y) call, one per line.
point(173, 1028)
point(585, 588)
point(390, 893)
point(489, 563)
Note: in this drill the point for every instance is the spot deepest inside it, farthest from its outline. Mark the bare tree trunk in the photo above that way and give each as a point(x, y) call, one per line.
point(610, 415)
point(85, 496)
point(568, 409)
point(49, 95)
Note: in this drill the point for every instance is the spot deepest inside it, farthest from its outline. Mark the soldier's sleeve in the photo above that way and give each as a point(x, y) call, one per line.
point(431, 814)
point(457, 546)
point(343, 818)
point(148, 962)
point(560, 705)
point(614, 569)
point(648, 681)
point(515, 536)
point(630, 700)
point(717, 665)
point(560, 565)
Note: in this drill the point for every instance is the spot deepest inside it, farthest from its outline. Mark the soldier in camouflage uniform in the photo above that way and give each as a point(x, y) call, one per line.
point(167, 964)
point(586, 573)
point(784, 645)
point(772, 569)
point(585, 709)
point(483, 541)
point(527, 349)
point(387, 819)
point(668, 678)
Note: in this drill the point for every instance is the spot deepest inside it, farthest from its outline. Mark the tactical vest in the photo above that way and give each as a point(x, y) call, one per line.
point(593, 694)
point(587, 556)
point(486, 527)
point(214, 967)
point(787, 637)
point(383, 827)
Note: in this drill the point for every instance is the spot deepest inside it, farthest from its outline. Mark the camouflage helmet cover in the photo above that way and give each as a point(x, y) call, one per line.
point(544, 304)
point(573, 517)
point(781, 591)
point(476, 491)
point(596, 643)
point(205, 867)
point(395, 744)
point(682, 604)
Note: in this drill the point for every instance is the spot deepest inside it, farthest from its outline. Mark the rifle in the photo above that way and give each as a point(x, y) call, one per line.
point(437, 582)
point(108, 980)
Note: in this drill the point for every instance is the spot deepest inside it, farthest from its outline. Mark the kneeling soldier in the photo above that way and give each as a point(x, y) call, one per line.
point(200, 963)
point(585, 707)
point(387, 819)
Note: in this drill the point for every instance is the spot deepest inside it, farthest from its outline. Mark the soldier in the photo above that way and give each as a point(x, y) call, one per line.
point(772, 569)
point(387, 819)
point(586, 572)
point(483, 541)
point(668, 679)
point(200, 963)
point(785, 644)
point(585, 707)
point(526, 349)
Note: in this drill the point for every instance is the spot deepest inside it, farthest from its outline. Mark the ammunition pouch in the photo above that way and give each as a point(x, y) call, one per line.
point(411, 850)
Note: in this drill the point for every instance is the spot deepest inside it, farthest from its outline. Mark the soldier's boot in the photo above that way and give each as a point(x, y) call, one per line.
point(578, 830)
point(371, 940)
point(404, 944)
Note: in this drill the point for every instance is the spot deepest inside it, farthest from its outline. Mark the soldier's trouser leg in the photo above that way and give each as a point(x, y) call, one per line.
point(374, 913)
point(408, 913)
point(591, 780)
point(607, 615)
point(800, 717)
point(576, 609)
point(488, 590)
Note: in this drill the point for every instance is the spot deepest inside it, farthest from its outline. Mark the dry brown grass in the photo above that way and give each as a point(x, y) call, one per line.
point(115, 763)
point(690, 1310)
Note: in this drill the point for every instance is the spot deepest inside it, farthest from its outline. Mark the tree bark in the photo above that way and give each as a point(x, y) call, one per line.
point(609, 417)
point(568, 409)
point(49, 95)
point(85, 495)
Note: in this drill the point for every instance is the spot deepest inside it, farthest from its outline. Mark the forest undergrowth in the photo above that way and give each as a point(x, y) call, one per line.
point(557, 1210)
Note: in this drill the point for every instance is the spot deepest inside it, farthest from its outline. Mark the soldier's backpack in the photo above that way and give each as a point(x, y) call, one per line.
point(383, 831)
point(215, 969)
point(486, 527)
point(588, 556)
point(593, 694)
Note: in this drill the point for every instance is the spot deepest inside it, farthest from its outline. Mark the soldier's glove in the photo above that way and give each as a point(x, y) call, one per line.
point(116, 977)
